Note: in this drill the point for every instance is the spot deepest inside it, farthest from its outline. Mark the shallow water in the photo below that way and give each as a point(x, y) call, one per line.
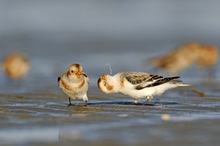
point(34, 111)
point(41, 116)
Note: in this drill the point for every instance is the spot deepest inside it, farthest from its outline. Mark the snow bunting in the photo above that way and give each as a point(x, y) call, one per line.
point(137, 84)
point(203, 55)
point(15, 65)
point(177, 59)
point(74, 83)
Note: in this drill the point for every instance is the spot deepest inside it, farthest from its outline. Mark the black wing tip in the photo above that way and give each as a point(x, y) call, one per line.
point(139, 88)
point(159, 82)
point(58, 79)
point(172, 78)
point(165, 80)
point(85, 75)
point(155, 77)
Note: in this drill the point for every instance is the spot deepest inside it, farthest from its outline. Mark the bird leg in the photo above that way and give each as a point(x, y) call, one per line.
point(149, 98)
point(85, 102)
point(146, 102)
point(135, 102)
point(70, 104)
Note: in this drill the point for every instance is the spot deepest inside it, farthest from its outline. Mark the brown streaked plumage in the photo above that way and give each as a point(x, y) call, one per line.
point(74, 83)
point(122, 82)
point(109, 87)
point(66, 86)
point(82, 84)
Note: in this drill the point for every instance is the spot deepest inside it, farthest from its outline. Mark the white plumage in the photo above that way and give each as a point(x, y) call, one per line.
point(74, 83)
point(137, 84)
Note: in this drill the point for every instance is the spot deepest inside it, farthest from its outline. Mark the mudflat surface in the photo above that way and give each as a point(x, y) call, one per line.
point(34, 111)
point(44, 118)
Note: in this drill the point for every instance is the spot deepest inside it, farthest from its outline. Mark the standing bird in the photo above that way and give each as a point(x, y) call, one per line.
point(74, 83)
point(137, 84)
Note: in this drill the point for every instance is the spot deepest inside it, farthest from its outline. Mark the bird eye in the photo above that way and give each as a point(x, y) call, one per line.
point(72, 71)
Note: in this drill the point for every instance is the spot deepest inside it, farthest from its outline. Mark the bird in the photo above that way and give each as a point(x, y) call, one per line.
point(74, 83)
point(15, 65)
point(137, 84)
point(204, 56)
point(177, 59)
point(208, 56)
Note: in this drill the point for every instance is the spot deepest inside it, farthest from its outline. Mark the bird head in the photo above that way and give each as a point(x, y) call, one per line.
point(105, 84)
point(74, 71)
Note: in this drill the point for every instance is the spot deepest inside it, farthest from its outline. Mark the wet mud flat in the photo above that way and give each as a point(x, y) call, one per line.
point(44, 118)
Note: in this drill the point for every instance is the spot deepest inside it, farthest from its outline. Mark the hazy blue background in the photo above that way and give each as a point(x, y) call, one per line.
point(55, 34)
point(114, 20)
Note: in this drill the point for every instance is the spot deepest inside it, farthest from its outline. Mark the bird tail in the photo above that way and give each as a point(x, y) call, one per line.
point(180, 83)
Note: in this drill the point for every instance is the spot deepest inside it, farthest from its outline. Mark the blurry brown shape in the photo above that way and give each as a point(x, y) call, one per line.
point(184, 56)
point(15, 65)
point(198, 92)
point(207, 56)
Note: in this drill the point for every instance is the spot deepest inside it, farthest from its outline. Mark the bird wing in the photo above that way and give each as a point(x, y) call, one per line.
point(156, 81)
point(58, 79)
point(87, 78)
point(140, 78)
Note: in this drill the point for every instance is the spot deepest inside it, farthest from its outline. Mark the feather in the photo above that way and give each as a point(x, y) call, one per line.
point(157, 82)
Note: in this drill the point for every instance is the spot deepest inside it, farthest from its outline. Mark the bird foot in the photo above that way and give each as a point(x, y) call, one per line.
point(144, 103)
point(86, 101)
point(134, 103)
point(70, 104)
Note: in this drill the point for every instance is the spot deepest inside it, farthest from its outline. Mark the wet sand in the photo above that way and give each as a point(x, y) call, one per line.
point(34, 111)
point(44, 118)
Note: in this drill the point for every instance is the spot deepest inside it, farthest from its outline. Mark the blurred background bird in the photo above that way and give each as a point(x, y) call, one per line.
point(207, 56)
point(182, 57)
point(15, 66)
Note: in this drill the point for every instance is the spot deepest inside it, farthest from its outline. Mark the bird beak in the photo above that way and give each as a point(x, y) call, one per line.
point(78, 74)
point(103, 77)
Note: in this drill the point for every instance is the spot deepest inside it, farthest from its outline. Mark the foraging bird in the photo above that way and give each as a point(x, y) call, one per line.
point(178, 59)
point(15, 66)
point(137, 84)
point(202, 55)
point(74, 83)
